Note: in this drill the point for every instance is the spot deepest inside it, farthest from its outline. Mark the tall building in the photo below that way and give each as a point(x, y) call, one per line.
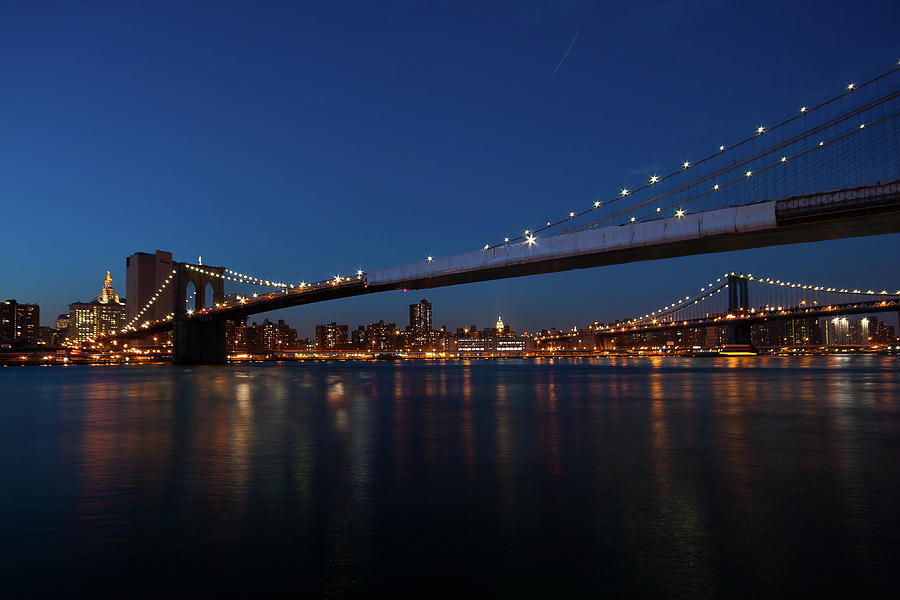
point(20, 321)
point(144, 274)
point(420, 316)
point(105, 314)
point(331, 336)
point(420, 319)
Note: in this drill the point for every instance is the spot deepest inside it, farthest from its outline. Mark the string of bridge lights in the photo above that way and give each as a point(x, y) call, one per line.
point(239, 277)
point(707, 291)
point(250, 279)
point(784, 159)
point(818, 288)
point(150, 302)
point(529, 234)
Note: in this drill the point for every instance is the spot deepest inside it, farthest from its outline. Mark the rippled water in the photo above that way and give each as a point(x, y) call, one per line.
point(636, 477)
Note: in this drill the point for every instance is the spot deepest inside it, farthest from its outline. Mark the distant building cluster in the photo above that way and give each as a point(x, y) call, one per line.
point(147, 274)
point(379, 337)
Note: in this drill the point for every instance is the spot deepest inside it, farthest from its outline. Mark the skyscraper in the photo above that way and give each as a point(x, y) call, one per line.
point(144, 274)
point(420, 316)
point(422, 336)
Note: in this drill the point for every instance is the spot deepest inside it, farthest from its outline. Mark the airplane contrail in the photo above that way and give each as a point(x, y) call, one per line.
point(569, 49)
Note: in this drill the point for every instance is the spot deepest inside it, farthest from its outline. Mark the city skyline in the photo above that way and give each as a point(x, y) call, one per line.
point(428, 145)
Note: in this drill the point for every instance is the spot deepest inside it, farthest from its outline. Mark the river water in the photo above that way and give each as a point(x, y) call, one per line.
point(529, 478)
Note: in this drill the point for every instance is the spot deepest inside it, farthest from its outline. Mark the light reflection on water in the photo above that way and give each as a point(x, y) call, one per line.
point(650, 477)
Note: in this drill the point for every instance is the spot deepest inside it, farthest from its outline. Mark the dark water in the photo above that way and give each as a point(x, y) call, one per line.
point(665, 478)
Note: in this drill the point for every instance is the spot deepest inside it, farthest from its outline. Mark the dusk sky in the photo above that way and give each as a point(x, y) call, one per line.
point(300, 140)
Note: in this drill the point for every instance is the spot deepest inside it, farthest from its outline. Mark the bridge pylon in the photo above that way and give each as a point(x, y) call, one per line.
point(738, 304)
point(197, 339)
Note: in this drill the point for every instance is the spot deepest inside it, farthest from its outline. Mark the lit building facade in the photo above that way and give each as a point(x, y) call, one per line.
point(331, 336)
point(20, 321)
point(420, 326)
point(103, 315)
point(268, 336)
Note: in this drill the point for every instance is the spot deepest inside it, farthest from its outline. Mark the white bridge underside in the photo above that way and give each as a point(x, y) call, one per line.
point(846, 213)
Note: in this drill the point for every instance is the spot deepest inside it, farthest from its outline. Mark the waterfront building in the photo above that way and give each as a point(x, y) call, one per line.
point(381, 336)
point(237, 335)
point(331, 336)
point(20, 322)
point(268, 336)
point(358, 338)
point(856, 331)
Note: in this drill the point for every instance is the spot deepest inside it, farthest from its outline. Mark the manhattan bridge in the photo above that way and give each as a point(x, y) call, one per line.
point(823, 171)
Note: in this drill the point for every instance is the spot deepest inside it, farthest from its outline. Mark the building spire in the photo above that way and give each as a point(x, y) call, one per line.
point(108, 294)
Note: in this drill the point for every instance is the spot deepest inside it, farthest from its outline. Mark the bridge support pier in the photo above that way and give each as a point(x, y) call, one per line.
point(738, 304)
point(199, 342)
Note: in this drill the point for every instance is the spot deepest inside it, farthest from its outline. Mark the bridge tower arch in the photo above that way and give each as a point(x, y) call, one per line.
point(197, 339)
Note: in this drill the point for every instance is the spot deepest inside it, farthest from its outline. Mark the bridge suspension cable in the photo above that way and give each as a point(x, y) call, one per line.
point(679, 304)
point(151, 302)
point(820, 288)
point(240, 277)
point(746, 164)
point(739, 166)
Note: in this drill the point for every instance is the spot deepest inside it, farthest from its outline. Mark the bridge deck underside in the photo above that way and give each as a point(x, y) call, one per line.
point(870, 224)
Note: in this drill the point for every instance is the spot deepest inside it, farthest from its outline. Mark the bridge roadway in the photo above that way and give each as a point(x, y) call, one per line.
point(852, 212)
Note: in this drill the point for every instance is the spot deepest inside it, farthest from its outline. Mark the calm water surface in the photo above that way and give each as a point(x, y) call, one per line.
point(637, 477)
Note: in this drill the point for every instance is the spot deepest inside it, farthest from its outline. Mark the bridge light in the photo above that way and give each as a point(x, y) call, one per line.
point(760, 130)
point(803, 109)
point(506, 239)
point(527, 232)
point(654, 179)
point(624, 191)
point(715, 187)
point(530, 240)
point(571, 214)
point(748, 173)
point(633, 219)
point(784, 159)
point(821, 143)
point(679, 213)
point(862, 125)
point(721, 148)
point(429, 259)
point(486, 246)
point(851, 86)
point(597, 204)
point(548, 223)
point(686, 164)
point(658, 209)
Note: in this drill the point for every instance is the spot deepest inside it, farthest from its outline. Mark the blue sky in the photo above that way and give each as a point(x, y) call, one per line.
point(300, 140)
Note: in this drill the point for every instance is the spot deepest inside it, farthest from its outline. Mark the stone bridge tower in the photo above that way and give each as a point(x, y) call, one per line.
point(201, 338)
